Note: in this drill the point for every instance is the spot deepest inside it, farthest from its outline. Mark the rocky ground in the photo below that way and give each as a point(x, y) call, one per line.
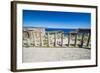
point(54, 54)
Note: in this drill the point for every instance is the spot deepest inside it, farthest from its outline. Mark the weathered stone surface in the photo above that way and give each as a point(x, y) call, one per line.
point(54, 54)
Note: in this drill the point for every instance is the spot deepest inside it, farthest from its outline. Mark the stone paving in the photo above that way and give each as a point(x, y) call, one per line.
point(54, 54)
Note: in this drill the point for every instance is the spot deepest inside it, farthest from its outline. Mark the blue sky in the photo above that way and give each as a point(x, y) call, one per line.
point(53, 19)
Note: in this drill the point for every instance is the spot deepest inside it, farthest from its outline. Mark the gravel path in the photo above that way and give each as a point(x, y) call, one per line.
point(54, 54)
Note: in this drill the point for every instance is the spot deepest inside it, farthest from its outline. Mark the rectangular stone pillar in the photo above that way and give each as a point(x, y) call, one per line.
point(68, 39)
point(62, 35)
point(75, 39)
point(40, 39)
point(48, 39)
point(88, 40)
point(55, 37)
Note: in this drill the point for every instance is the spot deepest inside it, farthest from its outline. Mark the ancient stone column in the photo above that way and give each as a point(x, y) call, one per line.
point(40, 39)
point(88, 40)
point(75, 39)
point(68, 39)
point(48, 39)
point(55, 36)
point(34, 39)
point(82, 40)
point(62, 39)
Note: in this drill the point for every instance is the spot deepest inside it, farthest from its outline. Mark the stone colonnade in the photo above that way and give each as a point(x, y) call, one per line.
point(37, 39)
